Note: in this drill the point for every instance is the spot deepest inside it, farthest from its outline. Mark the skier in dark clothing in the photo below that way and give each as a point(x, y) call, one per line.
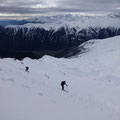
point(62, 84)
point(26, 69)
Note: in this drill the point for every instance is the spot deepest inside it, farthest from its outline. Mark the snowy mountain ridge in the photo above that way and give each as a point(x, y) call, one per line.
point(80, 22)
point(54, 35)
point(48, 22)
point(115, 14)
point(93, 83)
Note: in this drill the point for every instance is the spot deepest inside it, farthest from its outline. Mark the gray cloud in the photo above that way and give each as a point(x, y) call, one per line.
point(55, 6)
point(101, 5)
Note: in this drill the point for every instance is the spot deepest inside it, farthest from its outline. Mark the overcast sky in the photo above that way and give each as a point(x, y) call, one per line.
point(35, 7)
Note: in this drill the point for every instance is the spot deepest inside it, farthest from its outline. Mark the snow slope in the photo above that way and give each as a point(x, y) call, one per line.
point(93, 83)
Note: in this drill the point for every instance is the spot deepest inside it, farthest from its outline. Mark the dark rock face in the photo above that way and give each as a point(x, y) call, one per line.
point(37, 42)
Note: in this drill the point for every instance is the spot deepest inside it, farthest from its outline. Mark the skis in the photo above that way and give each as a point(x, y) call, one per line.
point(65, 90)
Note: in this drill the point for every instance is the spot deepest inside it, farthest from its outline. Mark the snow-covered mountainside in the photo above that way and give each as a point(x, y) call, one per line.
point(93, 85)
point(71, 20)
point(52, 35)
point(115, 14)
point(76, 21)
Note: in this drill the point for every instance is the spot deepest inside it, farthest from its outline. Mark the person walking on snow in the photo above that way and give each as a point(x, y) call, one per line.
point(62, 84)
point(27, 69)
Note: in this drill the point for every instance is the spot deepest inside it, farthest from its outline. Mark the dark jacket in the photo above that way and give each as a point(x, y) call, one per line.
point(63, 83)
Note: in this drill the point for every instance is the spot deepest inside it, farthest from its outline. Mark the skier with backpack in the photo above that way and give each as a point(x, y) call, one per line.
point(27, 69)
point(63, 83)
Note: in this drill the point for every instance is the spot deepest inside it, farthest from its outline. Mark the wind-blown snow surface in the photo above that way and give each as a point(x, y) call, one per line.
point(93, 83)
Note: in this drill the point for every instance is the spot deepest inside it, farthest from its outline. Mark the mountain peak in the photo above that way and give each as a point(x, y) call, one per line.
point(55, 18)
point(115, 14)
